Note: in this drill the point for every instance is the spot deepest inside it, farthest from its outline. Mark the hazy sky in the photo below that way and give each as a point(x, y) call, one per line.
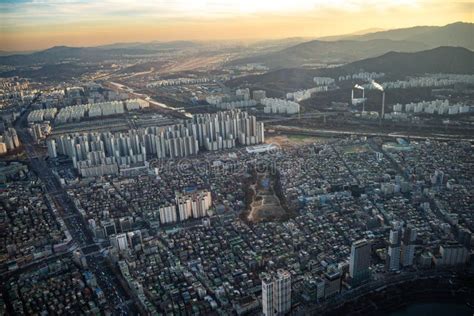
point(36, 24)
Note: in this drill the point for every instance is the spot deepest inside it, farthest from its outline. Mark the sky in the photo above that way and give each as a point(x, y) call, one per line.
point(39, 24)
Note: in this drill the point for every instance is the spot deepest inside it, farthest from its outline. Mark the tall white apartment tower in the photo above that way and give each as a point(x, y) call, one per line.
point(282, 292)
point(393, 255)
point(51, 143)
point(276, 293)
point(267, 296)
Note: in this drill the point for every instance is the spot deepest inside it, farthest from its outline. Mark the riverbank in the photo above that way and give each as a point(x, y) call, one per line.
point(458, 289)
point(434, 309)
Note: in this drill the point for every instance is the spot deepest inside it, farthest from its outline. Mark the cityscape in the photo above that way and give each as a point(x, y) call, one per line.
point(236, 158)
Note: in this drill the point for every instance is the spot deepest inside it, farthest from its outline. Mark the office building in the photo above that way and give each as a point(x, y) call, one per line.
point(321, 288)
point(109, 227)
point(119, 242)
point(134, 239)
point(333, 282)
point(360, 261)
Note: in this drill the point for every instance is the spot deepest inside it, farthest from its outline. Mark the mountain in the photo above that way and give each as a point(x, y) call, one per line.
point(279, 81)
point(394, 35)
point(56, 72)
point(9, 53)
point(347, 36)
point(445, 59)
point(455, 34)
point(349, 48)
point(331, 52)
point(395, 64)
point(155, 45)
point(91, 54)
point(267, 46)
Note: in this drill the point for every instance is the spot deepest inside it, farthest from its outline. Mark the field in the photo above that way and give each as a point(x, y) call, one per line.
point(266, 205)
point(285, 141)
point(356, 149)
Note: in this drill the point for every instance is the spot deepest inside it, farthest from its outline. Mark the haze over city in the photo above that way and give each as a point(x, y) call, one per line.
point(275, 158)
point(39, 24)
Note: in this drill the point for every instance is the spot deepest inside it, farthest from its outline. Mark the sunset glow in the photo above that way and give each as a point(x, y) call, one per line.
point(36, 24)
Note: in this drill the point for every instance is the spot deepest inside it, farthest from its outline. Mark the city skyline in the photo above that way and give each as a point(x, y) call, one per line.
point(211, 157)
point(39, 24)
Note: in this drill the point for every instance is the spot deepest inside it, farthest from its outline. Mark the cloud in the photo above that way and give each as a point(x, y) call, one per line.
point(43, 11)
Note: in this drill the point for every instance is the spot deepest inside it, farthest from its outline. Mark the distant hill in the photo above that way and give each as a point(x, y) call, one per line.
point(65, 53)
point(438, 60)
point(455, 34)
point(349, 48)
point(443, 59)
point(58, 72)
point(155, 45)
point(347, 36)
point(9, 53)
point(334, 52)
point(278, 81)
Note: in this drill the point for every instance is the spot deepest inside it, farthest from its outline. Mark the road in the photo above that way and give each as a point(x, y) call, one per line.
point(338, 133)
point(82, 237)
point(163, 107)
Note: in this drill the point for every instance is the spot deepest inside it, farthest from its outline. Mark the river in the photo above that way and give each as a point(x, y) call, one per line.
point(434, 309)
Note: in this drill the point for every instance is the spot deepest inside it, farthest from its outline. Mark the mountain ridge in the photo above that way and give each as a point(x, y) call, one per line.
point(351, 48)
point(444, 59)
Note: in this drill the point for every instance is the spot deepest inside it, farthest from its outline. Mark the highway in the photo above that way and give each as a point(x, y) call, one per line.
point(163, 107)
point(338, 133)
point(117, 299)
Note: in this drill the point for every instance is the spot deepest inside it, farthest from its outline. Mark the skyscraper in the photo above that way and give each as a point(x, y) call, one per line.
point(359, 261)
point(282, 292)
point(267, 296)
point(408, 246)
point(276, 293)
point(393, 255)
point(51, 143)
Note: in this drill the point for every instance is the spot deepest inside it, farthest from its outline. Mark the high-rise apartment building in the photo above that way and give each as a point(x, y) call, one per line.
point(393, 254)
point(194, 204)
point(94, 154)
point(408, 246)
point(267, 296)
point(276, 293)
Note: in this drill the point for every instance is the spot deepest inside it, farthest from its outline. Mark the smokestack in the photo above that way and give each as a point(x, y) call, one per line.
point(377, 86)
point(383, 105)
point(363, 102)
point(383, 108)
